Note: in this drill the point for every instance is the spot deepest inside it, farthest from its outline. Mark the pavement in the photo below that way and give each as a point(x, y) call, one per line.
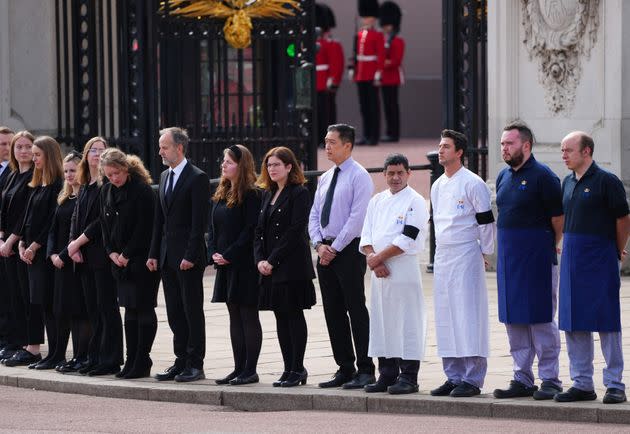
point(321, 365)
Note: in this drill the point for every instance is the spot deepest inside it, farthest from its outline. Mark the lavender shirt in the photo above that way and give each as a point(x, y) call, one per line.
point(352, 195)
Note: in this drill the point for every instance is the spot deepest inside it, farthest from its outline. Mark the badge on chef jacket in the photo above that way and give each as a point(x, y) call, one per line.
point(587, 192)
point(399, 220)
point(460, 204)
point(523, 185)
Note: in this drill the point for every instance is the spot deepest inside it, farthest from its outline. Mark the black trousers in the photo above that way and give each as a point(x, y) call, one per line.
point(183, 293)
point(140, 330)
point(6, 311)
point(370, 106)
point(99, 289)
point(28, 328)
point(390, 369)
point(347, 318)
point(392, 111)
point(326, 113)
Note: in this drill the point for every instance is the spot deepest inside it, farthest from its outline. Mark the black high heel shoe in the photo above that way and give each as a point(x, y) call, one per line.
point(295, 379)
point(225, 380)
point(283, 377)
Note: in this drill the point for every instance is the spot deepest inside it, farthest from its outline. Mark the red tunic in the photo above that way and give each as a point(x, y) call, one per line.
point(328, 63)
point(370, 56)
point(393, 72)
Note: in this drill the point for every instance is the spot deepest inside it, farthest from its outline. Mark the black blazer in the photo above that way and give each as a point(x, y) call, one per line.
point(14, 199)
point(3, 177)
point(40, 211)
point(235, 242)
point(281, 237)
point(86, 219)
point(179, 226)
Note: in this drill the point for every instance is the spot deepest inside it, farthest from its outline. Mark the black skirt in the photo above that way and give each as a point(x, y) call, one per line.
point(68, 299)
point(286, 296)
point(238, 285)
point(137, 287)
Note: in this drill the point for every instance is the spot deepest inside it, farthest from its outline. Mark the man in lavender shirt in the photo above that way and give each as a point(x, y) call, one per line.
point(335, 224)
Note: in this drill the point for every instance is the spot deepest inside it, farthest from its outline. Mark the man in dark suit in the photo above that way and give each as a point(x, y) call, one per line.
point(178, 250)
point(6, 134)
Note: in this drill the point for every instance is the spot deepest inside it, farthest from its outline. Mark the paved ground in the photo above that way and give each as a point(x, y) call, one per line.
point(320, 363)
point(55, 412)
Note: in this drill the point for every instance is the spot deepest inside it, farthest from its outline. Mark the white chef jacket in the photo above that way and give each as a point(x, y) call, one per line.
point(397, 312)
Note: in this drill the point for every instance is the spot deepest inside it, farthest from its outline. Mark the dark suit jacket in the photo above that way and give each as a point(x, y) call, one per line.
point(179, 227)
point(281, 236)
point(3, 178)
point(86, 220)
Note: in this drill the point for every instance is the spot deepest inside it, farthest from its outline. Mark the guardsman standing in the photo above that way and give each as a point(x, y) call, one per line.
point(329, 70)
point(596, 227)
point(366, 69)
point(389, 18)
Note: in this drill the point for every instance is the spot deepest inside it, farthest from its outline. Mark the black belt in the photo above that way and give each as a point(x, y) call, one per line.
point(329, 241)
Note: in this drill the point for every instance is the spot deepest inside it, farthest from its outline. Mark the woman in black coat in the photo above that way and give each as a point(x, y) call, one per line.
point(68, 301)
point(233, 215)
point(14, 199)
point(127, 205)
point(45, 187)
point(283, 257)
point(105, 352)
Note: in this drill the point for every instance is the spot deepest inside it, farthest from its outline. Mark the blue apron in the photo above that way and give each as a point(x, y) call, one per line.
point(589, 284)
point(524, 275)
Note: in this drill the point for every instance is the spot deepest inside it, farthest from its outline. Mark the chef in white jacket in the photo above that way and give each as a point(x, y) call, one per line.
point(464, 233)
point(392, 237)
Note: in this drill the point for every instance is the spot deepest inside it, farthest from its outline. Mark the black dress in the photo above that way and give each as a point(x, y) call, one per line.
point(127, 224)
point(37, 222)
point(68, 294)
point(231, 233)
point(281, 239)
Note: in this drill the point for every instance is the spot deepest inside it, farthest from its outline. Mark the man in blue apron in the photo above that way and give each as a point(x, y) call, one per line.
point(596, 228)
point(529, 201)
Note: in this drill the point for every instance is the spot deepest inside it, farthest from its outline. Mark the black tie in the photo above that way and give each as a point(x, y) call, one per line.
point(169, 187)
point(329, 198)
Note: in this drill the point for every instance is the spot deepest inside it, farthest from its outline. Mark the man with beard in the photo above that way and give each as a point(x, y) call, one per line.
point(529, 201)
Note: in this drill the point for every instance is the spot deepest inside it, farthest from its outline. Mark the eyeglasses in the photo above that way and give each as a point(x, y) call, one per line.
point(274, 165)
point(96, 151)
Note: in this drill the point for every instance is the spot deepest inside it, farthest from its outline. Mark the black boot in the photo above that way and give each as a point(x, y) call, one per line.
point(131, 342)
point(147, 328)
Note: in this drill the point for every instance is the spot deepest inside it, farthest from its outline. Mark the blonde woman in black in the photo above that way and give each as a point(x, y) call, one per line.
point(45, 187)
point(68, 301)
point(127, 206)
point(233, 215)
point(14, 199)
point(105, 352)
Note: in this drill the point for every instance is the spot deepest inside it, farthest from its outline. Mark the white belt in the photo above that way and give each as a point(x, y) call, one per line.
point(363, 58)
point(322, 67)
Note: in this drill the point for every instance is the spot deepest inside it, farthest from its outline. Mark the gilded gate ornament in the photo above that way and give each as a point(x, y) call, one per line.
point(559, 33)
point(238, 14)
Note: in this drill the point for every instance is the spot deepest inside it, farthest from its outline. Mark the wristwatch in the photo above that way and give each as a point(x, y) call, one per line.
point(316, 245)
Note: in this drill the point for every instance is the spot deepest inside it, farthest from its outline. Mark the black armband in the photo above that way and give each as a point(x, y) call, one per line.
point(411, 231)
point(484, 218)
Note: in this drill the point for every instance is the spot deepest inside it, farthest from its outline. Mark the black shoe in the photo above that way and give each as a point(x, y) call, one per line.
point(338, 380)
point(190, 374)
point(359, 381)
point(465, 390)
point(444, 390)
point(125, 370)
point(169, 374)
point(379, 387)
point(295, 379)
point(104, 370)
point(23, 358)
point(248, 379)
point(8, 352)
point(547, 391)
point(282, 378)
point(87, 367)
point(574, 394)
point(225, 380)
point(402, 387)
point(138, 372)
point(516, 390)
point(47, 364)
point(389, 139)
point(614, 396)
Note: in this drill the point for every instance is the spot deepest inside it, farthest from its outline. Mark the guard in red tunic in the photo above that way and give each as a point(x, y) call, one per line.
point(389, 18)
point(366, 69)
point(329, 70)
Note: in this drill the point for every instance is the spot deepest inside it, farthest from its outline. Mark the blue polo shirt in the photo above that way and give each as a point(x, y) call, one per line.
point(528, 197)
point(593, 203)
